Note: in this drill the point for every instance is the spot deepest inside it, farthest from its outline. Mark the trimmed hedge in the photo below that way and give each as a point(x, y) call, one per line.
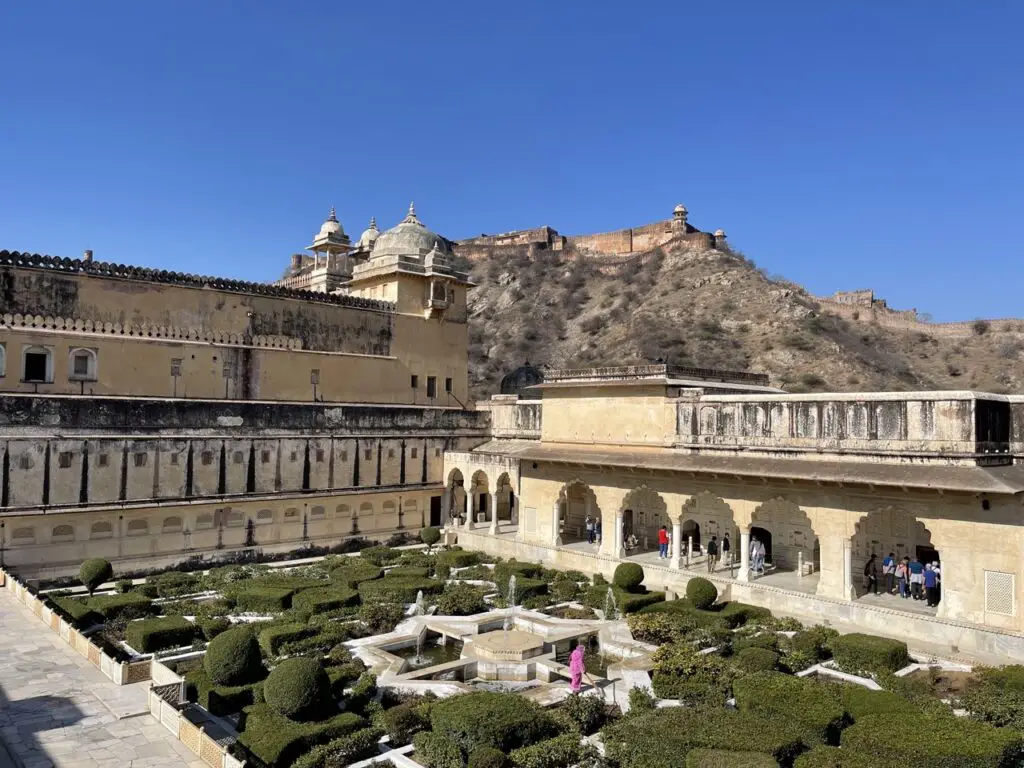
point(857, 653)
point(559, 752)
point(528, 579)
point(149, 635)
point(111, 606)
point(221, 699)
point(379, 555)
point(342, 676)
point(254, 598)
point(430, 537)
point(834, 757)
point(298, 688)
point(398, 590)
point(815, 708)
point(860, 701)
point(937, 741)
point(754, 659)
point(664, 738)
point(488, 757)
point(408, 572)
point(626, 602)
point(681, 672)
point(213, 627)
point(720, 758)
point(628, 576)
point(353, 573)
point(361, 745)
point(505, 721)
point(322, 599)
point(233, 657)
point(273, 637)
point(77, 612)
point(458, 558)
point(435, 750)
point(403, 722)
point(768, 640)
point(278, 741)
point(815, 641)
point(727, 616)
point(701, 592)
point(176, 584)
point(585, 711)
point(996, 696)
point(461, 600)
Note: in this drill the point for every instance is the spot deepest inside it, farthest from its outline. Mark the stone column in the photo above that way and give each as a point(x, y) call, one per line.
point(470, 508)
point(494, 513)
point(677, 534)
point(744, 574)
point(556, 524)
point(619, 551)
point(514, 510)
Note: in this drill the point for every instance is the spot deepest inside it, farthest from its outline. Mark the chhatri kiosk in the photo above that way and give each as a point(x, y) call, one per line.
point(821, 480)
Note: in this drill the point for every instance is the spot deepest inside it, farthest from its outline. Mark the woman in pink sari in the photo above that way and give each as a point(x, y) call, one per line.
point(576, 668)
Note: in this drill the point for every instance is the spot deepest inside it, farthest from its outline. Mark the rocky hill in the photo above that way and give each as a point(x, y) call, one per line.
point(711, 308)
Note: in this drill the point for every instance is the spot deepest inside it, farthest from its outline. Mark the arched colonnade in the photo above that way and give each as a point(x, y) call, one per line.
point(487, 498)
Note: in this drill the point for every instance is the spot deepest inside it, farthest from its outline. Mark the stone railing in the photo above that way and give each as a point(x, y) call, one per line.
point(120, 672)
point(630, 372)
point(166, 700)
point(126, 272)
point(144, 331)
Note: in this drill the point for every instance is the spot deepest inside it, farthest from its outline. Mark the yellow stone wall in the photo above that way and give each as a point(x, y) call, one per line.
point(608, 415)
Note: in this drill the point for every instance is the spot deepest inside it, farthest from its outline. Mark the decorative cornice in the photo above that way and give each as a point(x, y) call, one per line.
point(123, 272)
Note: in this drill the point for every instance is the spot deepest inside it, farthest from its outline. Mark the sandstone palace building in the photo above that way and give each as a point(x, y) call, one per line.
point(150, 416)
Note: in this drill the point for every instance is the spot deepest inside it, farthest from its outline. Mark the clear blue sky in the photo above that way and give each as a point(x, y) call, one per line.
point(840, 144)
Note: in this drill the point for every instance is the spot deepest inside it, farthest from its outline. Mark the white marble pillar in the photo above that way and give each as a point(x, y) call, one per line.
point(556, 524)
point(677, 535)
point(744, 574)
point(493, 502)
point(514, 510)
point(619, 543)
point(470, 508)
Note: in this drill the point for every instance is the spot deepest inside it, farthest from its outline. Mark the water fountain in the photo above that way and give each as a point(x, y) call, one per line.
point(509, 617)
point(611, 611)
point(418, 660)
point(419, 609)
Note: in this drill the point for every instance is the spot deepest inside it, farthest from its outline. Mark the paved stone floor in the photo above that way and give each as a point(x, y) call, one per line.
point(56, 709)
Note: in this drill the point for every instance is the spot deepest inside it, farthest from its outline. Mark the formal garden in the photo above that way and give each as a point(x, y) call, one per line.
point(320, 664)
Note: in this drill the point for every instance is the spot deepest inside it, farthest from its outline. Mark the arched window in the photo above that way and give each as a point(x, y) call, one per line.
point(317, 513)
point(204, 520)
point(233, 518)
point(62, 533)
point(291, 514)
point(171, 525)
point(366, 510)
point(101, 530)
point(82, 366)
point(138, 528)
point(3, 360)
point(37, 365)
point(264, 516)
point(343, 511)
point(389, 507)
point(23, 536)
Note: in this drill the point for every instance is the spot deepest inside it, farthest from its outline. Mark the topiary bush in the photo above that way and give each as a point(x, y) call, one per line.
point(861, 702)
point(937, 741)
point(298, 689)
point(274, 636)
point(403, 722)
point(628, 576)
point(380, 555)
point(112, 606)
point(93, 572)
point(720, 758)
point(430, 537)
point(755, 659)
point(354, 571)
point(458, 558)
point(124, 585)
point(176, 584)
point(408, 571)
point(815, 641)
point(76, 612)
point(278, 741)
point(233, 657)
point(381, 617)
point(342, 752)
point(767, 640)
point(505, 721)
point(252, 597)
point(640, 701)
point(857, 653)
point(701, 592)
point(834, 757)
point(150, 635)
point(488, 757)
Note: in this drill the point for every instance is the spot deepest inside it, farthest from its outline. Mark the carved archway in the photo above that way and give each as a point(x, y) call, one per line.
point(455, 496)
point(506, 495)
point(480, 490)
point(712, 516)
point(791, 533)
point(644, 511)
point(576, 500)
point(891, 529)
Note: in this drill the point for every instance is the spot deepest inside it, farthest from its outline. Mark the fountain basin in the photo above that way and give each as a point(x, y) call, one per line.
point(514, 645)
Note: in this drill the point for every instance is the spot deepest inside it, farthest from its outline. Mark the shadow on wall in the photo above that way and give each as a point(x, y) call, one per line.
point(26, 725)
